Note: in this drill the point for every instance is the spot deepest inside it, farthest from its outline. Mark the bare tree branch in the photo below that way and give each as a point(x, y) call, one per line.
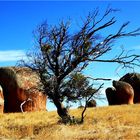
point(88, 99)
point(61, 52)
point(96, 79)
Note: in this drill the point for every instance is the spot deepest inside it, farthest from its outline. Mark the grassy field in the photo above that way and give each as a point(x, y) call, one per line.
point(101, 123)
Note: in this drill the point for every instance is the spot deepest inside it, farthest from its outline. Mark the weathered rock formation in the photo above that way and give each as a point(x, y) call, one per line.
point(121, 93)
point(124, 91)
point(134, 80)
point(1, 100)
point(111, 95)
point(91, 103)
point(20, 84)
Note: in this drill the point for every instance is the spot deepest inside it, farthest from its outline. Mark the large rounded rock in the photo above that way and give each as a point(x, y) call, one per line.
point(18, 85)
point(91, 103)
point(111, 96)
point(122, 93)
point(134, 80)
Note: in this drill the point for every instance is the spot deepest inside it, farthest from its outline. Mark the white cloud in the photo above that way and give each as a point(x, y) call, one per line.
point(12, 55)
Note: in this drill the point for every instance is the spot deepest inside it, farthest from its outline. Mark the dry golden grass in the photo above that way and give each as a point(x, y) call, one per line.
point(101, 123)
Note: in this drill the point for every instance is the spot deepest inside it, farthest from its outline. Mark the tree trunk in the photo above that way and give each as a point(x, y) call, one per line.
point(62, 111)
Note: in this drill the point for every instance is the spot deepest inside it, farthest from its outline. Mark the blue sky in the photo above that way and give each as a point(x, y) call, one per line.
point(18, 19)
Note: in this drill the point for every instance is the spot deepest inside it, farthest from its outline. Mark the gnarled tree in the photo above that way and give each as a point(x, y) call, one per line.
point(61, 52)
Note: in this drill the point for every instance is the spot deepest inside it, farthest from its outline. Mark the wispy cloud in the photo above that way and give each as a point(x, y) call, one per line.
point(12, 55)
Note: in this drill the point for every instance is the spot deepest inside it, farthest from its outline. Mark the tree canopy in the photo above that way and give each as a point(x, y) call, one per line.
point(60, 52)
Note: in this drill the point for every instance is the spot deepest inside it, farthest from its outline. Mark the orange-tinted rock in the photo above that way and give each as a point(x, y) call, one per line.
point(29, 83)
point(18, 85)
point(122, 93)
point(34, 102)
point(1, 100)
point(134, 80)
point(28, 106)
